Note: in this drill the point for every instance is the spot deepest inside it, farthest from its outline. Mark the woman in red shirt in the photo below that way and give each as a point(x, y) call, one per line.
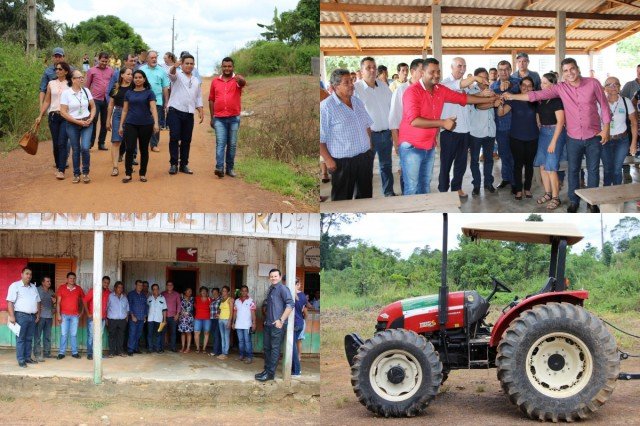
point(202, 320)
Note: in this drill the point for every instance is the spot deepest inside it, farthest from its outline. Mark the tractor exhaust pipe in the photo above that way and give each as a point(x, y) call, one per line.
point(444, 289)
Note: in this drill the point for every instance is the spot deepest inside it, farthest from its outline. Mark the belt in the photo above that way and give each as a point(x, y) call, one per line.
point(379, 131)
point(618, 136)
point(25, 313)
point(548, 125)
point(54, 112)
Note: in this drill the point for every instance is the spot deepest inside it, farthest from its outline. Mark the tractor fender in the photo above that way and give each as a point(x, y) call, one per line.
point(574, 297)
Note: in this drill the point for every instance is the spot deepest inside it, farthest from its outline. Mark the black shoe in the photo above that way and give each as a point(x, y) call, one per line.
point(262, 373)
point(60, 356)
point(264, 377)
point(48, 356)
point(219, 173)
point(120, 158)
point(89, 357)
point(231, 173)
point(490, 189)
point(103, 148)
point(476, 191)
point(173, 169)
point(186, 169)
point(130, 353)
point(174, 350)
point(135, 163)
point(22, 364)
point(30, 361)
point(593, 209)
point(137, 351)
point(504, 184)
point(76, 356)
point(573, 208)
point(161, 351)
point(393, 194)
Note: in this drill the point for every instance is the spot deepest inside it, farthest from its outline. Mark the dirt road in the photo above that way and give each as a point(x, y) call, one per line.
point(28, 183)
point(468, 397)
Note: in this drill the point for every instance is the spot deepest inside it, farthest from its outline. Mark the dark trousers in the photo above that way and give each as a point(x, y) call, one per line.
point(134, 134)
point(101, 113)
point(135, 331)
point(60, 140)
point(216, 347)
point(24, 341)
point(155, 137)
point(42, 340)
point(122, 150)
point(383, 144)
point(524, 152)
point(180, 132)
point(353, 176)
point(454, 148)
point(154, 340)
point(172, 329)
point(117, 328)
point(486, 144)
point(273, 337)
point(506, 159)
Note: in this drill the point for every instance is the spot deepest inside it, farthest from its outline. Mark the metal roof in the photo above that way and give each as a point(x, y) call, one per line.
point(468, 26)
point(523, 232)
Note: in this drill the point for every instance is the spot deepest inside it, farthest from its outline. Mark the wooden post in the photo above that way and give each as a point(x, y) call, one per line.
point(290, 270)
point(436, 32)
point(323, 69)
point(32, 35)
point(561, 39)
point(98, 261)
point(514, 67)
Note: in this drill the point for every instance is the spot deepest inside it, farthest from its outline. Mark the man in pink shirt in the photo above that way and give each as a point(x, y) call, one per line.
point(172, 298)
point(97, 81)
point(585, 133)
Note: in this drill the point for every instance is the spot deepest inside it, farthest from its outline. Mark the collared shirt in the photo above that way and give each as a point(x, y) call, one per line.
point(97, 80)
point(395, 112)
point(482, 123)
point(46, 304)
point(343, 129)
point(214, 307)
point(243, 309)
point(377, 101)
point(158, 79)
point(137, 304)
point(278, 299)
point(88, 299)
point(117, 307)
point(173, 302)
point(630, 88)
point(70, 299)
point(24, 298)
point(583, 121)
point(419, 102)
point(77, 102)
point(534, 76)
point(225, 96)
point(504, 123)
point(461, 112)
point(186, 94)
point(157, 305)
point(620, 110)
point(395, 85)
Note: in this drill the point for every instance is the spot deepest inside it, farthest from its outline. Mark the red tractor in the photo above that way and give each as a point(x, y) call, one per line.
point(554, 359)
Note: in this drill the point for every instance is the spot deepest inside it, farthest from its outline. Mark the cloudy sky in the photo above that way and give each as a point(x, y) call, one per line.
point(405, 231)
point(215, 27)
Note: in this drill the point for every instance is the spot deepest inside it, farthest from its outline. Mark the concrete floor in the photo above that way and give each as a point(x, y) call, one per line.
point(502, 201)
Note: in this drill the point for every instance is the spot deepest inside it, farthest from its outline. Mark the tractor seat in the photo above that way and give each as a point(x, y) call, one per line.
point(548, 287)
point(476, 305)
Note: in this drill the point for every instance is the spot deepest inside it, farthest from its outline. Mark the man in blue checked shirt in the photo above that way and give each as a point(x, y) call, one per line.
point(137, 317)
point(345, 140)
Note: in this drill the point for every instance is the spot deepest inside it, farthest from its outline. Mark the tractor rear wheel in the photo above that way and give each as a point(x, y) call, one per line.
point(557, 362)
point(396, 373)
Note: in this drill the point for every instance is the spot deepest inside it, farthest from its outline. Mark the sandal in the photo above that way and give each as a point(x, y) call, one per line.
point(519, 197)
point(545, 198)
point(143, 178)
point(528, 194)
point(553, 204)
point(115, 172)
point(127, 179)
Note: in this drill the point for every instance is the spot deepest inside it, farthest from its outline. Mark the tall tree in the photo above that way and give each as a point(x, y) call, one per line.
point(109, 32)
point(298, 26)
point(627, 228)
point(13, 22)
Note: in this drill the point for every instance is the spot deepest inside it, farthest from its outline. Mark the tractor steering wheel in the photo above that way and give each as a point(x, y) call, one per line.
point(501, 285)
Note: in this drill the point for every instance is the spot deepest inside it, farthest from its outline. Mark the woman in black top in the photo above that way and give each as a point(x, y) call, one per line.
point(115, 112)
point(551, 144)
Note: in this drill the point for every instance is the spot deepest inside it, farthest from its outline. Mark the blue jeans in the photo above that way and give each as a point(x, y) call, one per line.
point(135, 331)
point(171, 328)
point(576, 149)
point(487, 148)
point(154, 341)
point(417, 167)
point(504, 151)
point(295, 365)
point(80, 138)
point(383, 144)
point(216, 347)
point(613, 154)
point(60, 140)
point(43, 334)
point(69, 327)
point(226, 141)
point(24, 341)
point(224, 334)
point(90, 335)
point(245, 343)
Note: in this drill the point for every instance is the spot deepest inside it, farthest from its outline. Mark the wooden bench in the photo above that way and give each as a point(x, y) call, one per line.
point(438, 202)
point(610, 199)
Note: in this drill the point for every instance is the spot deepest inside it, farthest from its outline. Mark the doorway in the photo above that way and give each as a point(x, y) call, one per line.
point(184, 278)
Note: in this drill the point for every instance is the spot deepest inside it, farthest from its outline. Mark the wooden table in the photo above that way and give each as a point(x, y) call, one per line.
point(610, 199)
point(438, 202)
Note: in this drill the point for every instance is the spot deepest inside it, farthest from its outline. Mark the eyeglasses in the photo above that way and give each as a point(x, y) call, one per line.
point(59, 69)
point(612, 85)
point(76, 78)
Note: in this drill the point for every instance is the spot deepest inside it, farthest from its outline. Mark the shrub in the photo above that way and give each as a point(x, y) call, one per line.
point(274, 58)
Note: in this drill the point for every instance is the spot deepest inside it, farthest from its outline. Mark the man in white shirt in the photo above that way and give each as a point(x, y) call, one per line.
point(157, 315)
point(24, 309)
point(454, 144)
point(244, 322)
point(376, 97)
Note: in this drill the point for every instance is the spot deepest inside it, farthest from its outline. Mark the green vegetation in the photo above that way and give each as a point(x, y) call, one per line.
point(107, 33)
point(357, 275)
point(628, 52)
point(13, 23)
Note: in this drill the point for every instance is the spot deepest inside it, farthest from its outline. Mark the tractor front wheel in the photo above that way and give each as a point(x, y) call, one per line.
point(396, 373)
point(557, 362)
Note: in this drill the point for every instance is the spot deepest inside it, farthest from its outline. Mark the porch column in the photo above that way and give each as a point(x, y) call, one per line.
point(436, 32)
point(98, 253)
point(290, 270)
point(323, 69)
point(561, 39)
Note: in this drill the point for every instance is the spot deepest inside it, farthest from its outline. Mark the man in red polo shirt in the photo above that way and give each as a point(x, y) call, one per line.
point(224, 104)
point(87, 302)
point(422, 107)
point(68, 312)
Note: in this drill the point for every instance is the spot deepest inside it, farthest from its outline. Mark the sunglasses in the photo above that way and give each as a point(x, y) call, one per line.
point(59, 69)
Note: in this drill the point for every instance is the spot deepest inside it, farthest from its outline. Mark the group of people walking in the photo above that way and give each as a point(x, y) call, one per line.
point(134, 103)
point(535, 121)
point(148, 314)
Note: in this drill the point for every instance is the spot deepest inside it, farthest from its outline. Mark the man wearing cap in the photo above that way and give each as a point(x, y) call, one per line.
point(24, 309)
point(522, 63)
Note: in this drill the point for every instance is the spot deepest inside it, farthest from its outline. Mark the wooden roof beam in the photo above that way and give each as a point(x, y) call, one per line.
point(498, 33)
point(625, 3)
point(347, 25)
point(427, 35)
point(622, 34)
point(339, 51)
